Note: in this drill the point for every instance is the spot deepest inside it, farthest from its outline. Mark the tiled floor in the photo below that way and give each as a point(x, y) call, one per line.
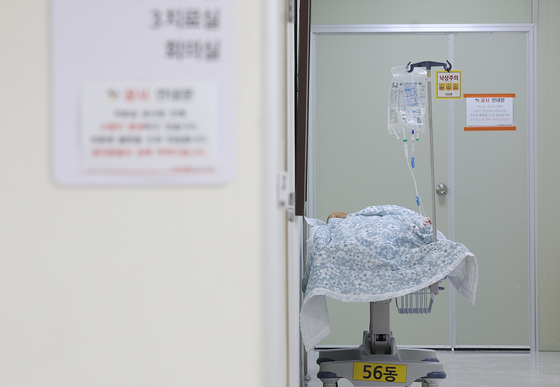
point(489, 369)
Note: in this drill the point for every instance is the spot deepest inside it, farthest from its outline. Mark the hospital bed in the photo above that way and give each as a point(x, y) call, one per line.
point(376, 255)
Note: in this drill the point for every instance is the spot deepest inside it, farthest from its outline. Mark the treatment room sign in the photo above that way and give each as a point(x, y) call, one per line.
point(143, 92)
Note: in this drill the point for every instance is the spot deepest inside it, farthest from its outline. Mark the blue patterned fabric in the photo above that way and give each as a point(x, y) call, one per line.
point(376, 254)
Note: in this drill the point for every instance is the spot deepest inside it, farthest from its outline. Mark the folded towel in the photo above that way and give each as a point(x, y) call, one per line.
point(375, 254)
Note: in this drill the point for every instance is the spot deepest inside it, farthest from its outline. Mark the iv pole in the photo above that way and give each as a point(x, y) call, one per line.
point(428, 65)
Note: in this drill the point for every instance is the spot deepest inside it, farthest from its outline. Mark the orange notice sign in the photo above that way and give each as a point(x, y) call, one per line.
point(487, 128)
point(489, 112)
point(504, 95)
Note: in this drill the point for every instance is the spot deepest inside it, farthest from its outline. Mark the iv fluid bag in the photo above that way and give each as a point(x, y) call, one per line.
point(407, 101)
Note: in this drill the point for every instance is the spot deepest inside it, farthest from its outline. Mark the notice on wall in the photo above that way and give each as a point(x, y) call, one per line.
point(143, 92)
point(489, 112)
point(151, 129)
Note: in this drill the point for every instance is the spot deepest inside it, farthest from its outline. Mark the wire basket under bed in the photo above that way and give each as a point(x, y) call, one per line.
point(419, 302)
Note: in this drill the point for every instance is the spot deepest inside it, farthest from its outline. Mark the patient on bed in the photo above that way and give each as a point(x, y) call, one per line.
point(375, 254)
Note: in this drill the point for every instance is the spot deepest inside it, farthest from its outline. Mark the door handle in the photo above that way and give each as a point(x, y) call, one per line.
point(441, 189)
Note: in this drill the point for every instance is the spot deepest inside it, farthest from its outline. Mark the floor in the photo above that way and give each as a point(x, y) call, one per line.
point(486, 368)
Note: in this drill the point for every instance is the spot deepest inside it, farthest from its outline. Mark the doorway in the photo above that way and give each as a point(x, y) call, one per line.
point(491, 202)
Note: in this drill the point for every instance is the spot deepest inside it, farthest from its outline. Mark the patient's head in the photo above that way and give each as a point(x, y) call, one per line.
point(340, 215)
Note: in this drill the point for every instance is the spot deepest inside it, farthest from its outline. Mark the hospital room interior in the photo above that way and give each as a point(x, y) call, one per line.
point(308, 193)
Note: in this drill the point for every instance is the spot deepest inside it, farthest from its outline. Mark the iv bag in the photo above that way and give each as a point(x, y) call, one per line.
point(407, 101)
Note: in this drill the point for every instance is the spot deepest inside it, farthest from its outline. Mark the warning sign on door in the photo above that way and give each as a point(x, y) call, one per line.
point(449, 84)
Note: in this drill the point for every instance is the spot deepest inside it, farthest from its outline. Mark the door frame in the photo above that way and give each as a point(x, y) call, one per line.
point(451, 30)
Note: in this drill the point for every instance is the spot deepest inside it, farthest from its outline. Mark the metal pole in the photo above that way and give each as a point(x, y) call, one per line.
point(430, 124)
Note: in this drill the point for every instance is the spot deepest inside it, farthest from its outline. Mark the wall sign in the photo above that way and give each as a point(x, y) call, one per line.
point(143, 92)
point(489, 112)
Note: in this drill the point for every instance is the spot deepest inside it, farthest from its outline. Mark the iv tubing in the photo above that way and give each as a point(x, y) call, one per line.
point(418, 200)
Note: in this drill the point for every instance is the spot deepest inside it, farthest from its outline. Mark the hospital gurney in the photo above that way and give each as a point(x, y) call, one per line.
point(375, 255)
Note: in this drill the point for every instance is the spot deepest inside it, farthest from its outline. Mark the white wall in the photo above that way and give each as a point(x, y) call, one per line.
point(126, 286)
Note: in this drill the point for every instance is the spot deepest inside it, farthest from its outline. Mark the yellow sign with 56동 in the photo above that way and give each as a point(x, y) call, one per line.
point(390, 373)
